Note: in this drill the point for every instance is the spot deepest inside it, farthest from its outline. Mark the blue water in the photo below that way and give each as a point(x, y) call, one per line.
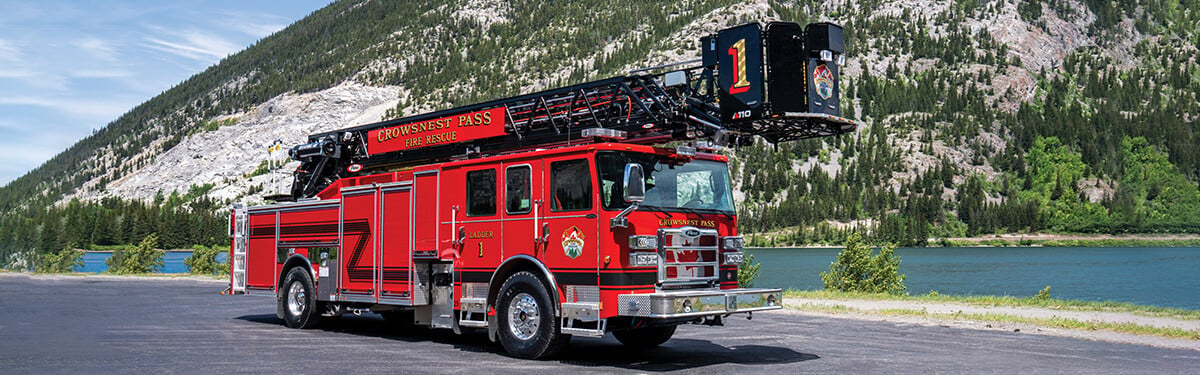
point(1159, 276)
point(1148, 276)
point(172, 261)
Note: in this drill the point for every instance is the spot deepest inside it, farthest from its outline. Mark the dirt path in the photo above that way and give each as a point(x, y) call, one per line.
point(936, 316)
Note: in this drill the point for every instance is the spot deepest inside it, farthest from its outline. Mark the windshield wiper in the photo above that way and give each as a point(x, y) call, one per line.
point(655, 208)
point(708, 211)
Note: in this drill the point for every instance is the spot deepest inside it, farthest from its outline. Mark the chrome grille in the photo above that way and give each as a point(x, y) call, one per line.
point(689, 257)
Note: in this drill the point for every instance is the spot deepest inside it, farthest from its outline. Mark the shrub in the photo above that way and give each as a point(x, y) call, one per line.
point(63, 261)
point(857, 269)
point(203, 261)
point(142, 258)
point(748, 271)
point(1043, 294)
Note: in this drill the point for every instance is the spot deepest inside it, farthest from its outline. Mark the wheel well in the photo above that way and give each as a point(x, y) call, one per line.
point(296, 260)
point(518, 264)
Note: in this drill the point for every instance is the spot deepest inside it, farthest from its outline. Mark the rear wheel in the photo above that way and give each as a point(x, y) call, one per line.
point(299, 304)
point(526, 318)
point(647, 337)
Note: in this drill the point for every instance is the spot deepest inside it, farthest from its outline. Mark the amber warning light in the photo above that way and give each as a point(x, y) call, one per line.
point(450, 129)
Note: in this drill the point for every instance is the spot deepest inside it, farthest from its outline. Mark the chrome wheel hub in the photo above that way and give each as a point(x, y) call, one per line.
point(524, 317)
point(296, 299)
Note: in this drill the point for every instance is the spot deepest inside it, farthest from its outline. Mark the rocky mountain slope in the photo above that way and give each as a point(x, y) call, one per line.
point(954, 92)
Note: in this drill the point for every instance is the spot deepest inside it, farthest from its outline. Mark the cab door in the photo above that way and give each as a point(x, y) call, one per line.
point(572, 250)
point(522, 208)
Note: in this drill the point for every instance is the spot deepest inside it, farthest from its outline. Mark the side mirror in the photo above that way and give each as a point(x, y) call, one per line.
point(634, 183)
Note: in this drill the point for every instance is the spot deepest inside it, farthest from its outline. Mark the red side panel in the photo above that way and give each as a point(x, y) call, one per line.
point(396, 243)
point(260, 254)
point(358, 248)
point(425, 228)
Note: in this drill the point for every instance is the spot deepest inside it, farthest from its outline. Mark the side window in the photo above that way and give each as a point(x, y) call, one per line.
point(481, 193)
point(570, 185)
point(516, 190)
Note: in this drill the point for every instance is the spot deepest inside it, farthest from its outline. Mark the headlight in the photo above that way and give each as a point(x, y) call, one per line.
point(733, 258)
point(643, 243)
point(643, 259)
point(732, 243)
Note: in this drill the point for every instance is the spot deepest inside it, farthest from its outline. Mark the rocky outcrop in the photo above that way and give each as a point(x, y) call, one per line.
point(226, 156)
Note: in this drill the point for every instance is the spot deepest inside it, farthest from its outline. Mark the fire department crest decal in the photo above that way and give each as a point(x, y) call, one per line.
point(572, 242)
point(823, 81)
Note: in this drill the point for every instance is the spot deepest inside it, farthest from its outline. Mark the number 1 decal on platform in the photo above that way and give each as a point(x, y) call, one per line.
point(738, 52)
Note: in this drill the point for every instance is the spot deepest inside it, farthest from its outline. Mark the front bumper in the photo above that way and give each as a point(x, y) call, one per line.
point(682, 304)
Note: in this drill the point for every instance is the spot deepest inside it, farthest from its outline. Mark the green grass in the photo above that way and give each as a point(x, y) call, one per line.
point(1099, 242)
point(1009, 301)
point(1053, 322)
point(1058, 322)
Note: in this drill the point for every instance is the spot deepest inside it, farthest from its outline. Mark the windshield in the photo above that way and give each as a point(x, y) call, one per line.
point(693, 185)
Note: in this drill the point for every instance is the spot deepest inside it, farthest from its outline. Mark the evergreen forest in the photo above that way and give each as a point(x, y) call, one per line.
point(1104, 139)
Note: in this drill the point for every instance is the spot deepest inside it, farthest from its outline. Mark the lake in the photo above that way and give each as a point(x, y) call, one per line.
point(1159, 276)
point(93, 261)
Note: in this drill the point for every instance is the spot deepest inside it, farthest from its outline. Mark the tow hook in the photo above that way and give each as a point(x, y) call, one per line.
point(714, 321)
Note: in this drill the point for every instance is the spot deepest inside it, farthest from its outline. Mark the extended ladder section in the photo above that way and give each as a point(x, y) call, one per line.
point(778, 82)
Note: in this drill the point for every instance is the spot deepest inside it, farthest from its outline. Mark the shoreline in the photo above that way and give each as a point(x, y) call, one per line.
point(101, 275)
point(1034, 240)
point(1118, 322)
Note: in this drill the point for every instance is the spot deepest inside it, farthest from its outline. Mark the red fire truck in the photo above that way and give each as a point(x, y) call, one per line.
point(591, 209)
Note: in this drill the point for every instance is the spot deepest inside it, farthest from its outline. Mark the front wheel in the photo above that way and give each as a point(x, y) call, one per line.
point(648, 337)
point(299, 303)
point(526, 318)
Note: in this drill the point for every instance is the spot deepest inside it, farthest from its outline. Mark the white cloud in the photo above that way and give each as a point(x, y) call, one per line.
point(99, 111)
point(101, 73)
point(16, 73)
point(9, 52)
point(99, 48)
point(195, 45)
point(258, 25)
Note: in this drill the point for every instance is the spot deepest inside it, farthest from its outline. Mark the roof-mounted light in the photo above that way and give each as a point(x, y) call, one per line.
point(688, 151)
point(604, 133)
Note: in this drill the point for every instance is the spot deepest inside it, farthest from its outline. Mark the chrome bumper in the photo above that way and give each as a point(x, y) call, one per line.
point(682, 304)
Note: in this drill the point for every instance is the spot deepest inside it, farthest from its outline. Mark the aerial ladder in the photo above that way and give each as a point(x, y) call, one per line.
point(778, 82)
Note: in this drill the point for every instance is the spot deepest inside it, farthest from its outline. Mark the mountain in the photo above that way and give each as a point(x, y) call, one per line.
point(979, 116)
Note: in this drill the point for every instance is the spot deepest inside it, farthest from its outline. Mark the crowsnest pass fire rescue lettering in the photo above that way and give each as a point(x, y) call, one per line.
point(458, 128)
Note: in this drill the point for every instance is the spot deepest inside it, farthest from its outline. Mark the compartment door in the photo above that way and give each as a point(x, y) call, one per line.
point(358, 253)
point(427, 195)
point(395, 243)
point(262, 265)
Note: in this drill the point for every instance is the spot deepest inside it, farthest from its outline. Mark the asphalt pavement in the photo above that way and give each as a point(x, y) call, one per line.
point(90, 325)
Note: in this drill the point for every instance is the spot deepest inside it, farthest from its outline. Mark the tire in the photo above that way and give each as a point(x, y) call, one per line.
point(526, 318)
point(648, 337)
point(299, 303)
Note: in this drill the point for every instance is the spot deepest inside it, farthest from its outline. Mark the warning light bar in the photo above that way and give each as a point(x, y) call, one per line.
point(604, 133)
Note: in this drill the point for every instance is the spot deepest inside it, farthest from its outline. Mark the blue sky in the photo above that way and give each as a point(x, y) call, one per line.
point(70, 67)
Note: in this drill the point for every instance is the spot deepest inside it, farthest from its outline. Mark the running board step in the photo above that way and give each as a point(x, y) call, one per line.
point(473, 312)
